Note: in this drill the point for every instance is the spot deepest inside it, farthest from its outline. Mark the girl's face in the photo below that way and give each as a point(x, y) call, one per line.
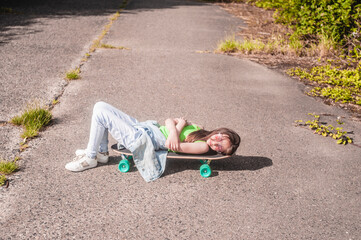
point(219, 142)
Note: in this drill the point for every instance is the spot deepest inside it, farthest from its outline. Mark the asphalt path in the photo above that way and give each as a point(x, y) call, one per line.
point(284, 183)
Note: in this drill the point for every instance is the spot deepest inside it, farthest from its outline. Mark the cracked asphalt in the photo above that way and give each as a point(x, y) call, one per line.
point(284, 183)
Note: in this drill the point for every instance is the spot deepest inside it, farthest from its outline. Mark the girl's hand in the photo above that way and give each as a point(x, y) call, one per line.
point(181, 123)
point(181, 120)
point(172, 142)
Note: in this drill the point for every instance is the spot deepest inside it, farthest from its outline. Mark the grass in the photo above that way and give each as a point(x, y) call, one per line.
point(73, 74)
point(32, 119)
point(274, 46)
point(55, 101)
point(2, 179)
point(108, 46)
point(277, 45)
point(326, 47)
point(296, 46)
point(23, 146)
point(251, 46)
point(6, 168)
point(229, 45)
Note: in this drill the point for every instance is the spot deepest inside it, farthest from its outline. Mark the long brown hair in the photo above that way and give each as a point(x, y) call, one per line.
point(203, 135)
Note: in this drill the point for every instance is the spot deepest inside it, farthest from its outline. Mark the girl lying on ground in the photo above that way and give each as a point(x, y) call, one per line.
point(177, 135)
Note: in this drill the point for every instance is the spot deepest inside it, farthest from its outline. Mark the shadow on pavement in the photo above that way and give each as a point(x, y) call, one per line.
point(235, 163)
point(160, 4)
point(25, 13)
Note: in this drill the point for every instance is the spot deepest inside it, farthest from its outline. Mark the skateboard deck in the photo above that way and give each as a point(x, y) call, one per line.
point(205, 159)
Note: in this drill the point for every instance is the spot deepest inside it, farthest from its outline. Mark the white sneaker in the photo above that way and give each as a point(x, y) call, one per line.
point(101, 157)
point(81, 163)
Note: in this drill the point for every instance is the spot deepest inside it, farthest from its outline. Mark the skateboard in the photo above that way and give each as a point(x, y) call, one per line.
point(205, 159)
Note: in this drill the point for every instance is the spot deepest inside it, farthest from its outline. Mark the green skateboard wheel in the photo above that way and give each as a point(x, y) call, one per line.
point(124, 166)
point(205, 170)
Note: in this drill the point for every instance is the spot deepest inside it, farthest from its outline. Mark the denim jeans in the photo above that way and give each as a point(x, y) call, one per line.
point(143, 139)
point(108, 119)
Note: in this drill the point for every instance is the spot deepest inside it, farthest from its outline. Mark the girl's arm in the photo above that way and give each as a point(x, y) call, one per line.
point(181, 123)
point(193, 148)
point(173, 137)
point(175, 127)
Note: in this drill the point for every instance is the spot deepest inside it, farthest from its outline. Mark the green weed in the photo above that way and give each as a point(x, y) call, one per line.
point(229, 45)
point(276, 45)
point(251, 46)
point(73, 74)
point(296, 45)
point(32, 120)
point(2, 179)
point(55, 101)
point(115, 16)
point(108, 46)
point(23, 146)
point(335, 93)
point(334, 83)
point(322, 129)
point(8, 167)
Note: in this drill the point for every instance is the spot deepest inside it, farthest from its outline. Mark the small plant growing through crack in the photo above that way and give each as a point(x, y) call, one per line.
point(7, 168)
point(33, 119)
point(3, 179)
point(108, 46)
point(73, 74)
point(320, 128)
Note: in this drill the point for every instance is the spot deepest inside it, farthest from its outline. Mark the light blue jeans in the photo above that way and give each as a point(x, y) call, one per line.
point(143, 139)
point(108, 119)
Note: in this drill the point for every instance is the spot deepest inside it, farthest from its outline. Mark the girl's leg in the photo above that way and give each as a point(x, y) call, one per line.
point(120, 125)
point(103, 148)
point(105, 118)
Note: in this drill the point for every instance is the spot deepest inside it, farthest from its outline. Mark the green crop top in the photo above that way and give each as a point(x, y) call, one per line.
point(185, 131)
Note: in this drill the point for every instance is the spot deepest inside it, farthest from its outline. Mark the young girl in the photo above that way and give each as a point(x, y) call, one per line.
point(148, 141)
